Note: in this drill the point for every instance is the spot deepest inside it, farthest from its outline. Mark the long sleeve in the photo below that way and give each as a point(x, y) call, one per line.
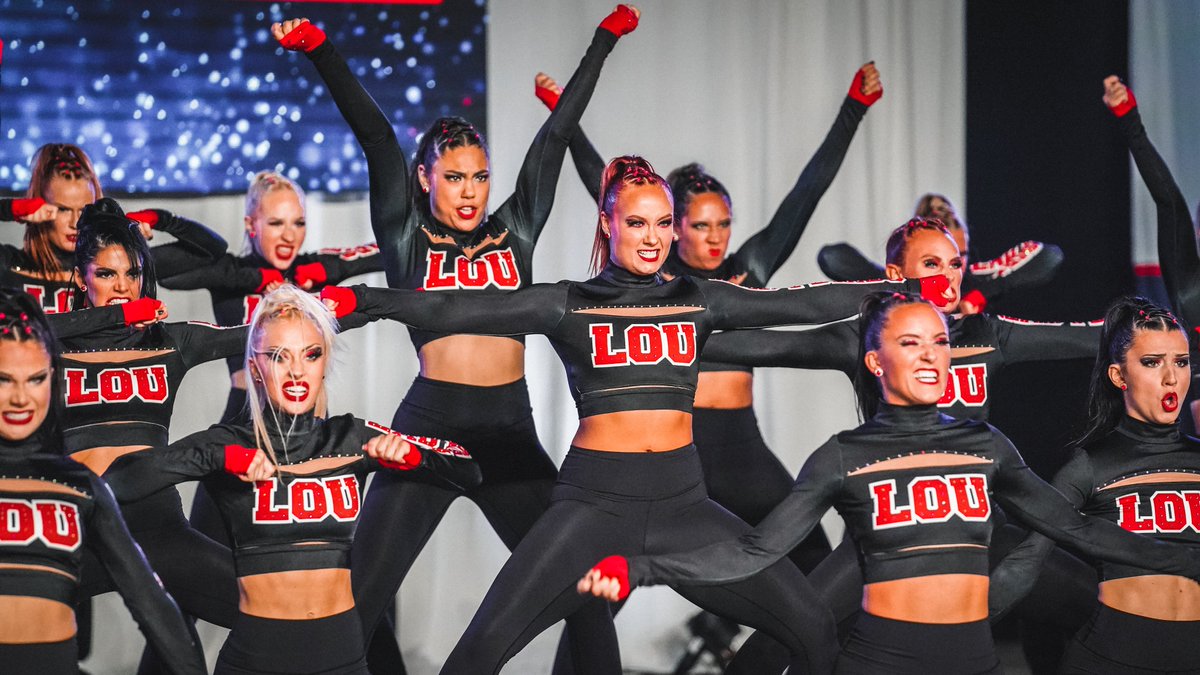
point(1022, 340)
point(222, 274)
point(832, 347)
point(195, 245)
point(343, 263)
point(527, 210)
point(155, 612)
point(1016, 574)
point(138, 475)
point(533, 309)
point(1177, 255)
point(765, 252)
point(84, 321)
point(201, 342)
point(1029, 264)
point(446, 461)
point(733, 306)
point(781, 531)
point(1039, 506)
point(843, 262)
point(589, 164)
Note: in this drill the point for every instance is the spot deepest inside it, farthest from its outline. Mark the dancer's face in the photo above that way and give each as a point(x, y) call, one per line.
point(111, 278)
point(914, 355)
point(931, 252)
point(69, 195)
point(704, 231)
point(24, 388)
point(289, 362)
point(277, 228)
point(639, 230)
point(1156, 374)
point(458, 186)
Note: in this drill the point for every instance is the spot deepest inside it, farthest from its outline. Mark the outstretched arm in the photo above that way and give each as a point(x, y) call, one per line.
point(137, 475)
point(832, 347)
point(446, 461)
point(588, 162)
point(138, 313)
point(1023, 340)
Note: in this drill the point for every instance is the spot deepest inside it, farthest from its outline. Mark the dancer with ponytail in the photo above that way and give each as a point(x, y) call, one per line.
point(288, 485)
point(630, 343)
point(64, 509)
point(915, 488)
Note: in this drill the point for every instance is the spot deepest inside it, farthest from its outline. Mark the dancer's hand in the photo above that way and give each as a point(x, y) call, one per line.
point(866, 87)
point(34, 210)
point(1117, 96)
point(393, 452)
point(298, 35)
point(546, 89)
point(609, 579)
point(622, 21)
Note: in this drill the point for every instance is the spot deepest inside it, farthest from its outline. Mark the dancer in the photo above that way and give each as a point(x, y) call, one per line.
point(629, 341)
point(915, 488)
point(288, 486)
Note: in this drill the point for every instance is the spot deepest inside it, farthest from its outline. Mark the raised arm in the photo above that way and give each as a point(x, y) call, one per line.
point(1022, 340)
point(195, 244)
point(155, 612)
point(832, 347)
point(1027, 265)
point(588, 162)
point(766, 251)
point(843, 262)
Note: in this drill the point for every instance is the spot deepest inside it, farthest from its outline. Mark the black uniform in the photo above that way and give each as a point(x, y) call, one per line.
point(52, 510)
point(304, 519)
point(196, 245)
point(915, 488)
point(495, 422)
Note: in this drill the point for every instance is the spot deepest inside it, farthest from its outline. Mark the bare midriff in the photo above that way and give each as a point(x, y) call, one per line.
point(938, 598)
point(635, 431)
point(725, 390)
point(296, 595)
point(476, 360)
point(99, 459)
point(1164, 597)
point(27, 620)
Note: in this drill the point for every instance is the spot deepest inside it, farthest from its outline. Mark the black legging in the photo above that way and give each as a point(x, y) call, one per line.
point(494, 424)
point(1117, 643)
point(329, 646)
point(40, 658)
point(879, 645)
point(612, 503)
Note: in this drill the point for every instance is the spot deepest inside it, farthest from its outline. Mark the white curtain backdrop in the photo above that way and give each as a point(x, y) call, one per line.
point(747, 88)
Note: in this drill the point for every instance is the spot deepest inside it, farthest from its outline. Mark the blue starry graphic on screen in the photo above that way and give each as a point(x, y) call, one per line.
point(195, 97)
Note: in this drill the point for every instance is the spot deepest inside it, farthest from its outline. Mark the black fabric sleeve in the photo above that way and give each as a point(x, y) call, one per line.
point(781, 531)
point(387, 168)
point(1027, 265)
point(342, 264)
point(527, 311)
point(1016, 574)
point(84, 321)
point(201, 342)
point(223, 274)
point(843, 262)
point(527, 210)
point(765, 252)
point(1022, 340)
point(6, 211)
point(195, 245)
point(1177, 255)
point(155, 612)
point(589, 164)
point(732, 306)
point(447, 462)
point(137, 475)
point(1040, 507)
point(832, 347)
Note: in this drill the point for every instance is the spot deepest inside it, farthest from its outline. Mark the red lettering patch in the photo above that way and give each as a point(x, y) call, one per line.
point(930, 499)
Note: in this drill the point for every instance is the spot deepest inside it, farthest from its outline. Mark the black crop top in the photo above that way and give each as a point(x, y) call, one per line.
point(420, 253)
point(50, 509)
point(981, 345)
point(233, 282)
point(628, 342)
point(1144, 477)
point(303, 519)
point(913, 486)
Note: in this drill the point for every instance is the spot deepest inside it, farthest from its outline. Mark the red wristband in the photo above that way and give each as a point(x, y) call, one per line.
point(25, 207)
point(305, 37)
point(410, 461)
point(238, 459)
point(149, 217)
point(621, 22)
point(975, 298)
point(1124, 108)
point(932, 289)
point(547, 95)
point(616, 567)
point(140, 310)
point(270, 275)
point(857, 94)
point(344, 297)
point(314, 272)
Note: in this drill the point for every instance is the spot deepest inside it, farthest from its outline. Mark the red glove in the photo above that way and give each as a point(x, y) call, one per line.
point(857, 94)
point(975, 298)
point(933, 287)
point(546, 94)
point(621, 22)
point(1124, 108)
point(140, 310)
point(305, 38)
point(238, 458)
point(149, 217)
point(615, 567)
point(270, 275)
point(314, 272)
point(344, 297)
point(412, 459)
point(25, 207)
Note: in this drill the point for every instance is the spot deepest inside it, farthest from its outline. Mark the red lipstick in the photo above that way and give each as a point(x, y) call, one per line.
point(295, 391)
point(1170, 402)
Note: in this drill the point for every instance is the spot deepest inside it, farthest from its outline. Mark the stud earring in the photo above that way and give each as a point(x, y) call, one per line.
point(879, 372)
point(1124, 386)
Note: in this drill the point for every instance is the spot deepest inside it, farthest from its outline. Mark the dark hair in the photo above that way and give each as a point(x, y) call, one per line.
point(446, 133)
point(873, 314)
point(54, 160)
point(22, 320)
point(104, 224)
point(1122, 321)
point(897, 241)
point(690, 180)
point(620, 172)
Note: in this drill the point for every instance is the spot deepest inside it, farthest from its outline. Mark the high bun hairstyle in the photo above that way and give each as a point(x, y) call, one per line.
point(104, 224)
point(263, 183)
point(446, 133)
point(22, 320)
point(1123, 320)
point(897, 241)
point(54, 160)
point(621, 172)
point(873, 315)
point(690, 180)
